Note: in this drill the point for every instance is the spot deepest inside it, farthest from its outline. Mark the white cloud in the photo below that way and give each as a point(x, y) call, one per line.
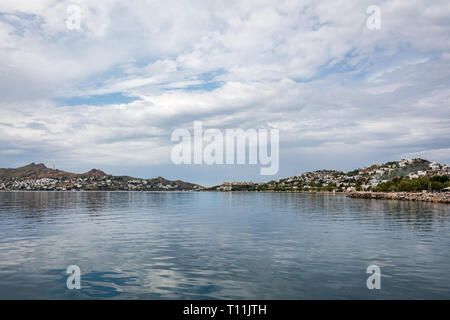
point(311, 68)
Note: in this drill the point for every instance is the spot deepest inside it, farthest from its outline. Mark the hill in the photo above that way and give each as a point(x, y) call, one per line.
point(367, 178)
point(33, 171)
point(39, 177)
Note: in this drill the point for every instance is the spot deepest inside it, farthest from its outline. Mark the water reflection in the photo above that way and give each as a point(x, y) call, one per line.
point(220, 245)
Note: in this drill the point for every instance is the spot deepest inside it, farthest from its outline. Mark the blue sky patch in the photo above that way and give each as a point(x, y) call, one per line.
point(98, 100)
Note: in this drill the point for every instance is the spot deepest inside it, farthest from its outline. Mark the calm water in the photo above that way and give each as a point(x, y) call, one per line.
point(220, 246)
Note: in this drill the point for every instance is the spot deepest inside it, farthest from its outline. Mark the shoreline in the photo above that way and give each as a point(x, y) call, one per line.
point(443, 197)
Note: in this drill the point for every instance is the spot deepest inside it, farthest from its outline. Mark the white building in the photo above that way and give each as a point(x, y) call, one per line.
point(435, 166)
point(413, 176)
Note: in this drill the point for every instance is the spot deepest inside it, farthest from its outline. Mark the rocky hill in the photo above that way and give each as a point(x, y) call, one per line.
point(33, 171)
point(39, 177)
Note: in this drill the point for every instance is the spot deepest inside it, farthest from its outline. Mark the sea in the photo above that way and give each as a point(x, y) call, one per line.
point(221, 245)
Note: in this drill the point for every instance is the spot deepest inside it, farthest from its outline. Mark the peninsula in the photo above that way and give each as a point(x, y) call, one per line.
point(407, 179)
point(37, 177)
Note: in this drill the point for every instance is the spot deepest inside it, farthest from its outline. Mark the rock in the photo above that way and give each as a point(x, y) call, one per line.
point(443, 197)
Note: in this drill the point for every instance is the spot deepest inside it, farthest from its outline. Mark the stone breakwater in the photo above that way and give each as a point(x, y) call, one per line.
point(419, 196)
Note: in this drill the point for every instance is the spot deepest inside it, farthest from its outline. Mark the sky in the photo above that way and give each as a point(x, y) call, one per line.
point(108, 95)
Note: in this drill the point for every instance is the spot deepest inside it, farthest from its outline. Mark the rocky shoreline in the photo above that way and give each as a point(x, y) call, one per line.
point(443, 197)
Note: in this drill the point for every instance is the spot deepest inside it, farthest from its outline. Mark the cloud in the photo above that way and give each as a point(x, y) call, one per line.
point(310, 68)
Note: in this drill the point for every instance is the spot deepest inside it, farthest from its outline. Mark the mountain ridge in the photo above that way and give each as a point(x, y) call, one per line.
point(40, 170)
point(37, 176)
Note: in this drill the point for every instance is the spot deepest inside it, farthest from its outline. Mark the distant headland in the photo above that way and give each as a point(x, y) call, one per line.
point(37, 177)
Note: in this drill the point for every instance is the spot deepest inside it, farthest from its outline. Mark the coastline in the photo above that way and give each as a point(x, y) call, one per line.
point(443, 197)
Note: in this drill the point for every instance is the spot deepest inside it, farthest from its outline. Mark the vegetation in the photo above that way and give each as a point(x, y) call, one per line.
point(433, 183)
point(416, 165)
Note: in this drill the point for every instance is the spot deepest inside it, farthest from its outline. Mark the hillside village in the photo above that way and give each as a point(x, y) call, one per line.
point(37, 177)
point(364, 179)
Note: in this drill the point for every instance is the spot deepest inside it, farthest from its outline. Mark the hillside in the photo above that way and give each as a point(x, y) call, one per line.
point(39, 177)
point(333, 180)
point(33, 171)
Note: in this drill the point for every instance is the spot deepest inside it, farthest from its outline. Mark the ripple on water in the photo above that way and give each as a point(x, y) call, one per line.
point(220, 245)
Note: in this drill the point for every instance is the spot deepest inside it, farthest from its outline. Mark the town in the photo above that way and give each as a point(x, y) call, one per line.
point(365, 179)
point(37, 177)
